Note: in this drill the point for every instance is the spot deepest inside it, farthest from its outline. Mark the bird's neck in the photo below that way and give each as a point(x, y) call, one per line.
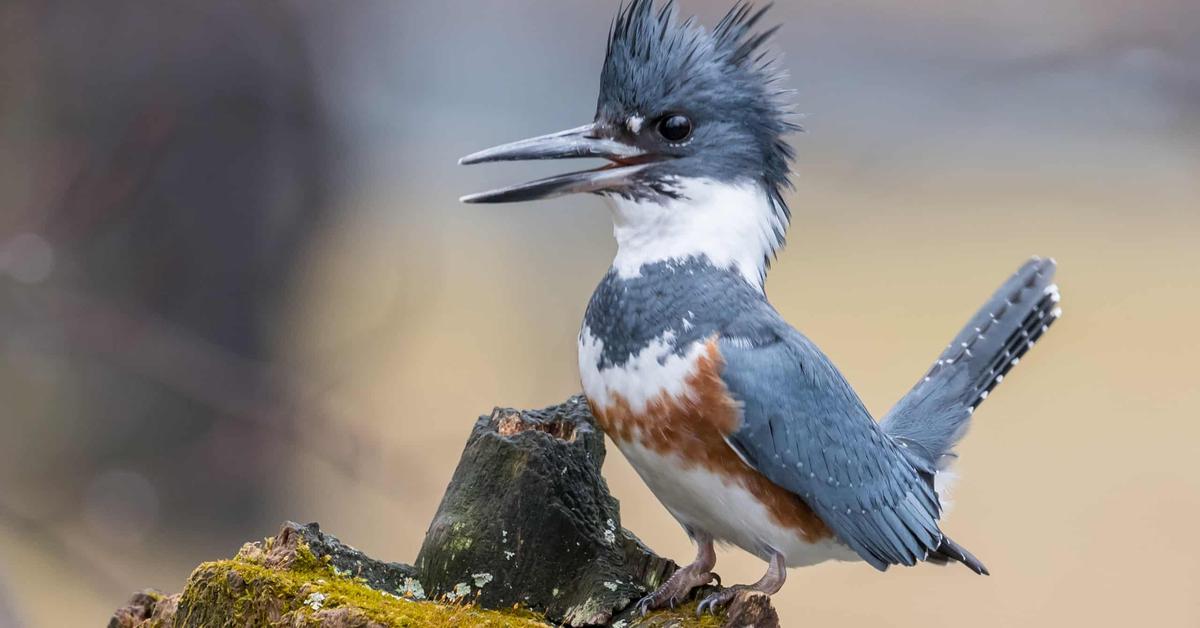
point(734, 225)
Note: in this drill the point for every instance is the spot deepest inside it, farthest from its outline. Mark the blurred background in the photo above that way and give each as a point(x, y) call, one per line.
point(236, 286)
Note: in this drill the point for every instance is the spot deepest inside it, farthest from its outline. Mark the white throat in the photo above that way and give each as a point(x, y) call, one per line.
point(733, 224)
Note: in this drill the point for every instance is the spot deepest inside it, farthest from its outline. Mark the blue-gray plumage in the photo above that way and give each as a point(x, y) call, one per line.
point(655, 64)
point(741, 427)
point(690, 299)
point(807, 430)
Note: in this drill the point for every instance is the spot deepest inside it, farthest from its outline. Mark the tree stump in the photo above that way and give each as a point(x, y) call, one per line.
point(529, 512)
point(527, 534)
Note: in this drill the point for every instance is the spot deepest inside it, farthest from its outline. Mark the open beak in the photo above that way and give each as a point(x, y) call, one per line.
point(584, 141)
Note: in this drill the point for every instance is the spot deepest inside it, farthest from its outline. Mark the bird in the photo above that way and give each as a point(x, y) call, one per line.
point(741, 427)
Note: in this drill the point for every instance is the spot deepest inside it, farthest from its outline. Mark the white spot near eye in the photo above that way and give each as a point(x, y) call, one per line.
point(635, 123)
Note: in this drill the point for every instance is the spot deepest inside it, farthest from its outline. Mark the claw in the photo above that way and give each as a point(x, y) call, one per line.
point(715, 602)
point(646, 604)
point(679, 586)
point(674, 591)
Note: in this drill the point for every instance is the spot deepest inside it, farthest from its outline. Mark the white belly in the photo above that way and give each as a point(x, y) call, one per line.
point(703, 501)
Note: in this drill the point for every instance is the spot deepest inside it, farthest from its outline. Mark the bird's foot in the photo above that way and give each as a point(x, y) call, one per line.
point(744, 594)
point(716, 602)
point(676, 589)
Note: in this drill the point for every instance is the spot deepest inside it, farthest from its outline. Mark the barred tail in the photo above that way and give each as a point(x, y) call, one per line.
point(935, 414)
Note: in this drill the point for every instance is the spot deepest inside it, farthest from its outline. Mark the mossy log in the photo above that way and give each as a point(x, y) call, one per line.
point(304, 578)
point(527, 534)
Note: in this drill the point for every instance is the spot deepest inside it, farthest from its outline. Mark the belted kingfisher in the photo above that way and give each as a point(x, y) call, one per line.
point(738, 423)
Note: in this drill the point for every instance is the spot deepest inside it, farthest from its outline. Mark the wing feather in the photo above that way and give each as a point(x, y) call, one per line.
point(806, 430)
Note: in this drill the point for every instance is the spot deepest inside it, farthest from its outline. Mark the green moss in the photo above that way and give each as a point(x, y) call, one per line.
point(270, 585)
point(157, 596)
point(245, 591)
point(681, 617)
point(459, 544)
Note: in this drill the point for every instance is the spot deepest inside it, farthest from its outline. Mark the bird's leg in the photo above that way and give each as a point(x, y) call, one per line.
point(770, 583)
point(681, 583)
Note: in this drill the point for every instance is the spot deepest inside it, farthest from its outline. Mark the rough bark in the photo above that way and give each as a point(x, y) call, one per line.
point(526, 534)
point(528, 508)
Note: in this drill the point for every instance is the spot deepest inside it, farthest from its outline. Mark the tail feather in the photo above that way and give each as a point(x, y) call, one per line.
point(935, 414)
point(1036, 323)
point(948, 550)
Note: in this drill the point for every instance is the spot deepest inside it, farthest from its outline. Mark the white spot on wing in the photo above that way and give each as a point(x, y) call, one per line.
point(740, 342)
point(943, 483)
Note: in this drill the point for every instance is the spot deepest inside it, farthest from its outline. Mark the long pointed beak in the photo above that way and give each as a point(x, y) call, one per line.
point(584, 141)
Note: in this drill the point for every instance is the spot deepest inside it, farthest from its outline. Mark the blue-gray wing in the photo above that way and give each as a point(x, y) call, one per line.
point(806, 430)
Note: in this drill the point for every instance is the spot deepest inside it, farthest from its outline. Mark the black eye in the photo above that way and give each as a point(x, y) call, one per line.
point(675, 127)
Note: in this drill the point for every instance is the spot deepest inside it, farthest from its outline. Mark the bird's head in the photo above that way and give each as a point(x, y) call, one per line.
point(692, 124)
